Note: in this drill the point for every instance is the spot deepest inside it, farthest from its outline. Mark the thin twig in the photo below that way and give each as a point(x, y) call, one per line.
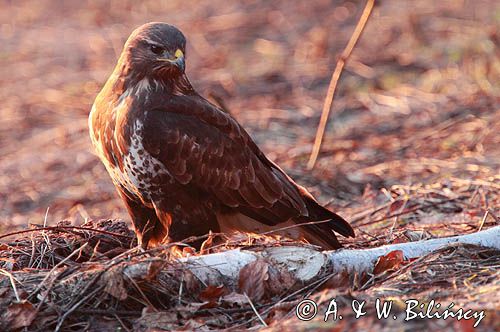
point(481, 224)
point(335, 78)
point(146, 299)
point(12, 282)
point(409, 210)
point(286, 298)
point(75, 306)
point(255, 310)
point(64, 228)
point(121, 323)
point(40, 285)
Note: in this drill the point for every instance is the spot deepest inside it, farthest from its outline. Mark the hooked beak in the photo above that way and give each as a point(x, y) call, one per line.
point(177, 59)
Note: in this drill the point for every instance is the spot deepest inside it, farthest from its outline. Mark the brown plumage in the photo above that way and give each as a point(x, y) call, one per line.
point(183, 166)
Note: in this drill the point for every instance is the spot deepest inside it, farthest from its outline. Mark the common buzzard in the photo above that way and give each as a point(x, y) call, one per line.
point(183, 166)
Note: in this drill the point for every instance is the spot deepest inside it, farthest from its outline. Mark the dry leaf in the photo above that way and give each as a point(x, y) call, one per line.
point(466, 325)
point(154, 269)
point(399, 239)
point(114, 283)
point(341, 281)
point(278, 282)
point(413, 236)
point(151, 320)
point(252, 277)
point(195, 325)
point(19, 315)
point(191, 282)
point(212, 293)
point(234, 298)
point(396, 206)
point(391, 261)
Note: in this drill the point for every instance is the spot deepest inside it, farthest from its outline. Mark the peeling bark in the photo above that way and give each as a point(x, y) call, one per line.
point(305, 263)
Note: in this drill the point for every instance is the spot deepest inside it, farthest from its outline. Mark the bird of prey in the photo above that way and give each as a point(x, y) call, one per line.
point(183, 166)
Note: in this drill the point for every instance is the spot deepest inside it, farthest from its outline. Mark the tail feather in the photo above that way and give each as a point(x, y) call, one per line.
point(321, 233)
point(317, 236)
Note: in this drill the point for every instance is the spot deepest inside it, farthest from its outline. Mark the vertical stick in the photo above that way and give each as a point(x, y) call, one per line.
point(327, 106)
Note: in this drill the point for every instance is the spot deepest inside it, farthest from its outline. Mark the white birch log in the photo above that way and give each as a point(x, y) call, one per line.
point(305, 263)
point(364, 259)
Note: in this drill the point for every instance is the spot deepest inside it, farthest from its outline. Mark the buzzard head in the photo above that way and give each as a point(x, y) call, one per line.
point(155, 50)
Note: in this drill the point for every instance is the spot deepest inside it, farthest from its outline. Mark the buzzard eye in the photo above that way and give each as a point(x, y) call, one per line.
point(156, 49)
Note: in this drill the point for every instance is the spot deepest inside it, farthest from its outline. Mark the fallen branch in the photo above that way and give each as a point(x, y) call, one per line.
point(305, 263)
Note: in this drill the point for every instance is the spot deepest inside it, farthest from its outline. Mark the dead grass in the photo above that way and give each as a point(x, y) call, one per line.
point(411, 151)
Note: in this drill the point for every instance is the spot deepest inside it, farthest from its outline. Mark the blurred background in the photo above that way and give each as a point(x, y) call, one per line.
point(417, 107)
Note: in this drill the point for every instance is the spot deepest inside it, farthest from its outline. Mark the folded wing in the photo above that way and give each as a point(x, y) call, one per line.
point(203, 147)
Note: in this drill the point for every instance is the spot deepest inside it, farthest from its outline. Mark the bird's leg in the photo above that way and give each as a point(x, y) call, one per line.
point(144, 235)
point(143, 218)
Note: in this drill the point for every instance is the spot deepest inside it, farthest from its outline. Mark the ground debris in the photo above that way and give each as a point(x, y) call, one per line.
point(411, 152)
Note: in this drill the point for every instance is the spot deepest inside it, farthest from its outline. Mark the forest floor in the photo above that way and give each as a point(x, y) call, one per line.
point(412, 148)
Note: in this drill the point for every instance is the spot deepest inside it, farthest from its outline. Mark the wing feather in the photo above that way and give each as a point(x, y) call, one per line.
point(204, 147)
